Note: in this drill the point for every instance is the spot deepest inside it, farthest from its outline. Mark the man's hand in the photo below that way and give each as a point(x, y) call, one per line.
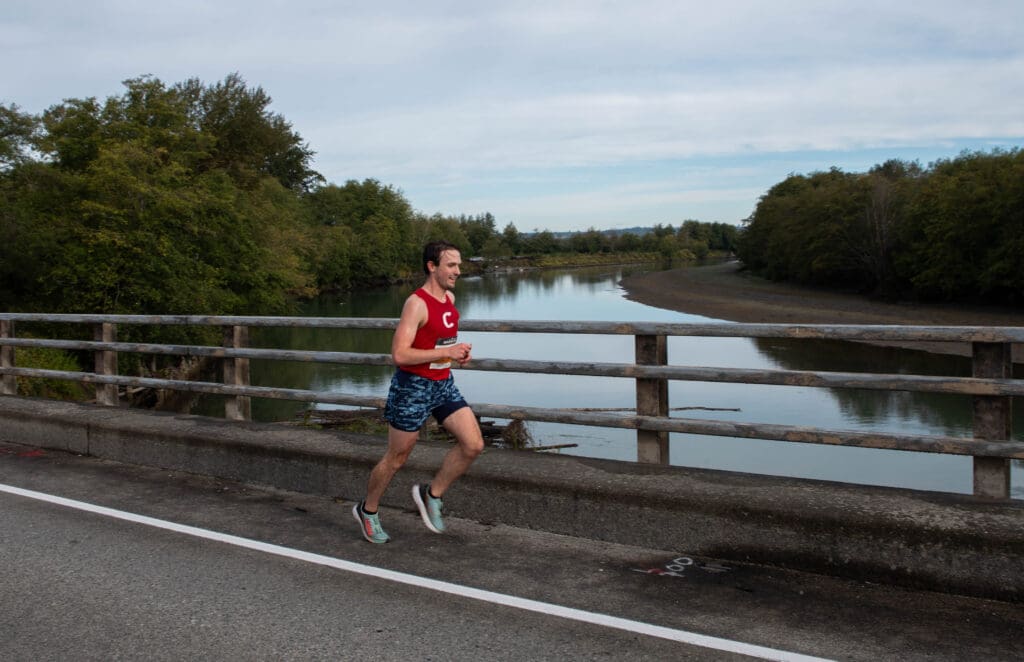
point(461, 353)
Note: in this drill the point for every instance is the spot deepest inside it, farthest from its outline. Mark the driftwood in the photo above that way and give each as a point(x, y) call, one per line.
point(338, 417)
point(512, 435)
point(631, 409)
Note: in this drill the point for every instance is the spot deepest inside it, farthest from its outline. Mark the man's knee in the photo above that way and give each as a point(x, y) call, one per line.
point(470, 438)
point(467, 433)
point(472, 446)
point(395, 459)
point(400, 445)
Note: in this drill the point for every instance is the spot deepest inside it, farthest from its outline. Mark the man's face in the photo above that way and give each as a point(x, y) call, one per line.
point(447, 271)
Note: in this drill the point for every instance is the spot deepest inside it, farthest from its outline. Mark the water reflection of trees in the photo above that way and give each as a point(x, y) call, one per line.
point(386, 302)
point(510, 285)
point(876, 410)
point(937, 412)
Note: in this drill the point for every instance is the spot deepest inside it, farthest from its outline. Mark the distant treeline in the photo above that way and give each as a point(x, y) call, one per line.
point(692, 240)
point(195, 198)
point(953, 231)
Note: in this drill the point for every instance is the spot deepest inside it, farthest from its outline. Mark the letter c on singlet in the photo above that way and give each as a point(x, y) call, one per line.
point(444, 320)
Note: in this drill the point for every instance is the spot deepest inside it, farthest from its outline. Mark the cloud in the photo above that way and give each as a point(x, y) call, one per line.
point(618, 206)
point(817, 109)
point(505, 98)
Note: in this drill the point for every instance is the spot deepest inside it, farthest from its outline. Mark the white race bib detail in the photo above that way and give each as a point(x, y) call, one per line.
point(444, 342)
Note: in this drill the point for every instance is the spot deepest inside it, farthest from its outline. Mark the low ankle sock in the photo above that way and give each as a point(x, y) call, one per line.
point(362, 507)
point(430, 494)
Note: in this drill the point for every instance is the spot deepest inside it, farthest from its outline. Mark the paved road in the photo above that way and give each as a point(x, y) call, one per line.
point(86, 585)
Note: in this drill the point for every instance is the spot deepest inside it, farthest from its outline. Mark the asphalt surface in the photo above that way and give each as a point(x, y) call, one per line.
point(88, 586)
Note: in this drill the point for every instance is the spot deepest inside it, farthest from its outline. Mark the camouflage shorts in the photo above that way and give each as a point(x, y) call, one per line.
point(412, 399)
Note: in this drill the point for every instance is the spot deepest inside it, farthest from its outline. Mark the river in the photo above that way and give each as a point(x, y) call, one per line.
point(594, 294)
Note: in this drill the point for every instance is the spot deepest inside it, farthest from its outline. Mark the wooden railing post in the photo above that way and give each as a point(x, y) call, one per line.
point(106, 363)
point(236, 373)
point(9, 383)
point(652, 400)
point(992, 419)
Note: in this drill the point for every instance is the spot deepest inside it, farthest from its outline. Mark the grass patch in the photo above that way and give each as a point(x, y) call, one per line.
point(46, 358)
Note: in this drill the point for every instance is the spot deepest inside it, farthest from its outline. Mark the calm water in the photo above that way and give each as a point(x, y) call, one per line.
point(594, 295)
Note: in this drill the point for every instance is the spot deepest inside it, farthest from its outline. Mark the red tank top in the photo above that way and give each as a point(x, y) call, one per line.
point(440, 330)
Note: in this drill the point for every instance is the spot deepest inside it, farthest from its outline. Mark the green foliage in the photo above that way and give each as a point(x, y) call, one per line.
point(16, 129)
point(49, 359)
point(701, 239)
point(540, 243)
point(161, 200)
point(966, 234)
point(801, 229)
point(195, 198)
point(71, 133)
point(248, 141)
point(365, 233)
point(953, 231)
point(478, 230)
point(511, 238)
point(447, 228)
point(590, 241)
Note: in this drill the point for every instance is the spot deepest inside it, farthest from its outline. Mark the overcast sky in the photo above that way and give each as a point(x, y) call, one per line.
point(564, 115)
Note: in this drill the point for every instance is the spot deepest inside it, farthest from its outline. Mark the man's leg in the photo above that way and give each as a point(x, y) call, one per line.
point(400, 445)
point(469, 444)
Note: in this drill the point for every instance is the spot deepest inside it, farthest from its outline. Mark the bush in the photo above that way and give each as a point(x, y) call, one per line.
point(49, 359)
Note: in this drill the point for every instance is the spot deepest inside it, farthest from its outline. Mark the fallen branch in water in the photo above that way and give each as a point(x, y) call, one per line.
point(633, 410)
point(550, 448)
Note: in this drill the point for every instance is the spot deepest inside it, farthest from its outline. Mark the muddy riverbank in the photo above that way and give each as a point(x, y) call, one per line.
point(723, 291)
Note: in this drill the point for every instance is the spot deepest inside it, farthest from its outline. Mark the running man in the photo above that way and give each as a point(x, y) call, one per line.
point(424, 345)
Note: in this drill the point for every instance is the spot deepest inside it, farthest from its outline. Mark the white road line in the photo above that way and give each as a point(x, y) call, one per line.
point(637, 627)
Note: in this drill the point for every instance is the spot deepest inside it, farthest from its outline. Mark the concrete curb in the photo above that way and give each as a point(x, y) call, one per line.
point(943, 542)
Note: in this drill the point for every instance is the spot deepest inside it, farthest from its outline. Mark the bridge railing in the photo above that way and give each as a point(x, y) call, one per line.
point(991, 384)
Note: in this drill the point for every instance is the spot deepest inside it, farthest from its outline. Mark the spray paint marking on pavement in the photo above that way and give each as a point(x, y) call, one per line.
point(536, 606)
point(678, 566)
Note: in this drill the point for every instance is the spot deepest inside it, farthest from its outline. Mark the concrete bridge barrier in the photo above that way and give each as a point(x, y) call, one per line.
point(945, 542)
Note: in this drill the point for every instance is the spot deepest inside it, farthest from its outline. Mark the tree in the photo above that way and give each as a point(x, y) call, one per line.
point(249, 141)
point(16, 130)
point(724, 237)
point(694, 237)
point(71, 133)
point(495, 249)
point(360, 215)
point(447, 228)
point(627, 242)
point(590, 242)
point(128, 215)
point(888, 186)
point(953, 231)
point(478, 230)
point(511, 238)
point(800, 229)
point(17, 268)
point(540, 243)
point(967, 229)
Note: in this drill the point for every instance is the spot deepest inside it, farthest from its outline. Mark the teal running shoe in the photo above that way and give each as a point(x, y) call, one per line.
point(370, 524)
point(430, 508)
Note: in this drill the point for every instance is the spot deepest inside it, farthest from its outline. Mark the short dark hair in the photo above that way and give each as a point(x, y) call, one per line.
point(432, 253)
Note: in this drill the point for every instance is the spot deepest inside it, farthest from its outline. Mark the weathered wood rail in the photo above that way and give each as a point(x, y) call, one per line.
point(991, 385)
